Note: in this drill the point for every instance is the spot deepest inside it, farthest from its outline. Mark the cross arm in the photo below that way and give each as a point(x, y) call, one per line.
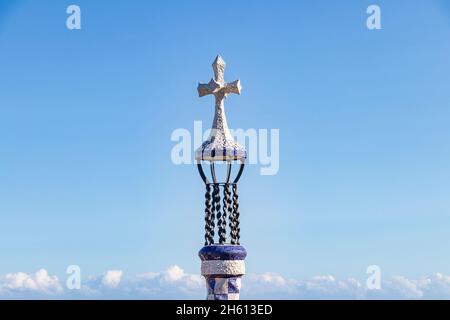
point(233, 87)
point(208, 88)
point(214, 87)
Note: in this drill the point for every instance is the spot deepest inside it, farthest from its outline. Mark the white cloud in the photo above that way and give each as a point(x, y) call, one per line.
point(405, 288)
point(328, 287)
point(173, 273)
point(112, 278)
point(40, 283)
point(175, 283)
point(267, 284)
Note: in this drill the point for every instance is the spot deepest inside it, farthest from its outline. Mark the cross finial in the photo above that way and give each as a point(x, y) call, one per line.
point(218, 86)
point(219, 68)
point(220, 144)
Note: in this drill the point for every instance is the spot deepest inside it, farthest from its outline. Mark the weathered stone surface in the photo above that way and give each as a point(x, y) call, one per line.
point(223, 268)
point(220, 145)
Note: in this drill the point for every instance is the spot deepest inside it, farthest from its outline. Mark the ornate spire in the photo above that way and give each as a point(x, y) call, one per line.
point(220, 145)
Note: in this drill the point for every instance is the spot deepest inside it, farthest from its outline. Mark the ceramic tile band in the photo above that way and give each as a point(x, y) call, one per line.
point(223, 267)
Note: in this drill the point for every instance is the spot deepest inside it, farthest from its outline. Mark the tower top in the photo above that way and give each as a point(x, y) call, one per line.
point(219, 68)
point(220, 145)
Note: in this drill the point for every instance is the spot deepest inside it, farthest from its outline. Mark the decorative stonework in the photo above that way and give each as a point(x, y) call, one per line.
point(223, 288)
point(222, 261)
point(223, 266)
point(220, 145)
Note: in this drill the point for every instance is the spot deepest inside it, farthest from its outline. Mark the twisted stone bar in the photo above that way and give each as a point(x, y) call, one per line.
point(223, 267)
point(209, 220)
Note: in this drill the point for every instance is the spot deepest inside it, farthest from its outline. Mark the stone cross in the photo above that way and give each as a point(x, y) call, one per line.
point(220, 144)
point(217, 86)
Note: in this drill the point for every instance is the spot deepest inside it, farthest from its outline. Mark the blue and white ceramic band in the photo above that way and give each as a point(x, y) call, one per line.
point(223, 266)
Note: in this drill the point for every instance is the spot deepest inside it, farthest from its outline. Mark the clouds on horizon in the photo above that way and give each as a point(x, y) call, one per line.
point(174, 283)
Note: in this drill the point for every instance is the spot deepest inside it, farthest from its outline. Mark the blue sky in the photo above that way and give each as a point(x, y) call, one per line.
point(86, 117)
